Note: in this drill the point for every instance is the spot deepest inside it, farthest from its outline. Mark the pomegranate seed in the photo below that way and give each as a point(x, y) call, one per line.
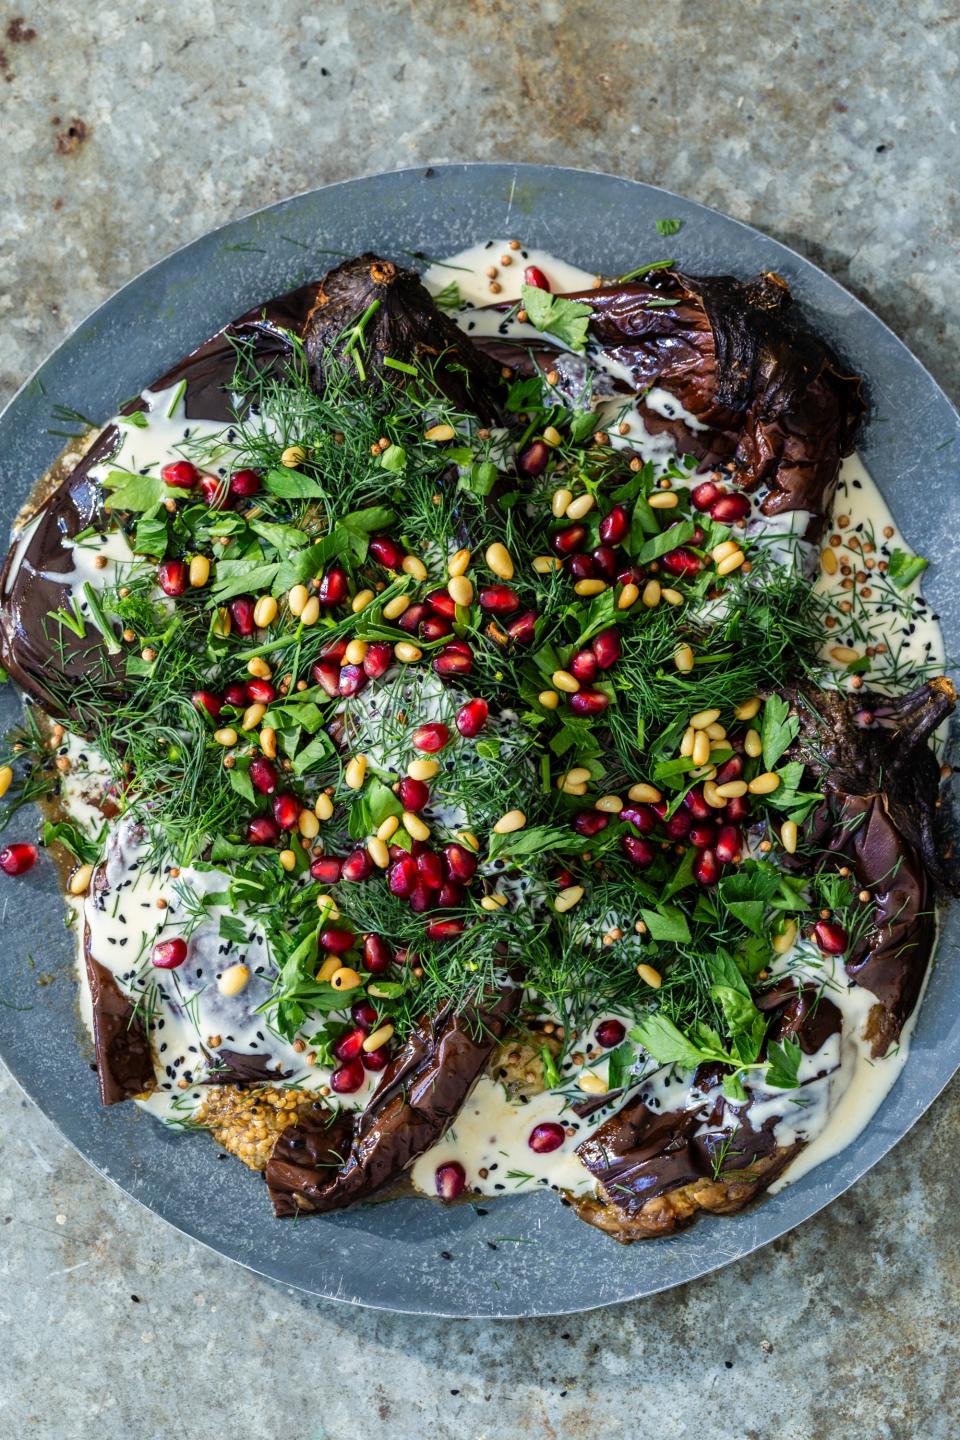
point(348, 1077)
point(244, 483)
point(363, 1013)
point(443, 603)
point(461, 863)
point(696, 804)
point(263, 830)
point(339, 941)
point(638, 850)
point(534, 459)
point(445, 929)
point(261, 691)
point(430, 738)
point(704, 494)
point(681, 562)
point(584, 666)
point(562, 877)
point(18, 857)
point(377, 956)
point(738, 808)
point(451, 896)
point(521, 631)
point(435, 627)
point(430, 869)
point(614, 526)
point(728, 508)
point(376, 1059)
point(631, 575)
point(386, 551)
point(605, 561)
point(545, 1137)
point(333, 587)
point(589, 702)
point(180, 473)
point(606, 647)
point(326, 869)
point(421, 898)
point(590, 822)
point(729, 844)
point(216, 491)
point(350, 1045)
point(263, 776)
point(235, 695)
point(352, 679)
point(357, 866)
point(402, 876)
point(660, 808)
point(327, 674)
point(568, 540)
point(499, 599)
point(582, 567)
point(377, 660)
point(703, 835)
point(241, 613)
point(334, 650)
point(642, 816)
point(731, 769)
point(286, 811)
point(172, 577)
point(411, 618)
point(413, 794)
point(472, 717)
point(830, 937)
point(206, 700)
point(706, 870)
point(450, 1180)
point(454, 660)
point(678, 826)
point(169, 954)
point(534, 276)
point(609, 1033)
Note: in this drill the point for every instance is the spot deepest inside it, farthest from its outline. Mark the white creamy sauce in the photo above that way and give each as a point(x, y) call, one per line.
point(842, 1086)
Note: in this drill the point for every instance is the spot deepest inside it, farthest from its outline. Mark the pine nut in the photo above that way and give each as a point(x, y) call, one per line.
point(467, 837)
point(752, 744)
point(288, 860)
point(700, 753)
point(252, 716)
point(413, 565)
point(226, 736)
point(378, 1037)
point(328, 905)
point(511, 821)
point(80, 880)
point(712, 795)
point(493, 902)
point(828, 560)
point(221, 623)
point(783, 942)
point(323, 807)
point(748, 709)
point(234, 979)
point(394, 608)
point(361, 600)
point(789, 836)
point(388, 828)
point(199, 571)
point(716, 732)
point(544, 564)
point(651, 594)
point(328, 969)
point(764, 784)
point(423, 769)
point(460, 590)
point(265, 611)
point(592, 1084)
point(628, 596)
point(729, 547)
point(843, 654)
point(293, 456)
point(663, 500)
point(672, 597)
point(458, 564)
point(345, 978)
point(590, 587)
point(356, 772)
point(6, 779)
point(310, 613)
point(355, 652)
point(731, 563)
point(574, 789)
point(268, 742)
point(378, 852)
point(578, 775)
point(308, 824)
point(580, 507)
point(609, 804)
point(653, 977)
point(563, 680)
point(703, 718)
point(683, 659)
point(406, 653)
point(439, 432)
point(733, 789)
point(499, 560)
point(552, 437)
point(549, 699)
point(297, 599)
point(559, 501)
point(567, 898)
point(259, 668)
point(415, 827)
point(645, 794)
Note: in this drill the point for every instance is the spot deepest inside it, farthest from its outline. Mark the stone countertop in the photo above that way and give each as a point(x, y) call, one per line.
point(129, 132)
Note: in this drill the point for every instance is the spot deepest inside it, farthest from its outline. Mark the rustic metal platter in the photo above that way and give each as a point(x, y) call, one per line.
point(523, 1255)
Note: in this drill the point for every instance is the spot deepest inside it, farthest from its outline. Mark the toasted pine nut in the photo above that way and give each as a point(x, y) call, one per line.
point(288, 859)
point(560, 500)
point(345, 978)
point(328, 905)
point(748, 709)
point(663, 500)
point(361, 600)
point(355, 652)
point(829, 561)
point(789, 836)
point(328, 969)
point(653, 977)
point(467, 837)
point(378, 852)
point(199, 571)
point(764, 784)
point(628, 596)
point(549, 699)
point(221, 623)
point(578, 775)
point(563, 680)
point(731, 563)
point(609, 804)
point(388, 828)
point(752, 744)
point(415, 827)
point(293, 456)
point(843, 654)
point(423, 769)
point(406, 653)
point(567, 898)
point(252, 716)
point(234, 979)
point(590, 587)
point(297, 599)
point(265, 611)
point(308, 824)
point(651, 594)
point(552, 437)
point(574, 789)
point(580, 507)
point(378, 1037)
point(712, 795)
point(644, 794)
point(80, 880)
point(493, 902)
point(226, 736)
point(544, 564)
point(310, 613)
point(703, 718)
point(783, 941)
point(356, 772)
point(439, 432)
point(394, 608)
point(268, 742)
point(672, 597)
point(591, 1083)
point(508, 823)
point(683, 659)
point(729, 547)
point(499, 560)
point(413, 565)
point(460, 590)
point(700, 753)
point(733, 789)
point(459, 563)
point(323, 807)
point(6, 779)
point(259, 668)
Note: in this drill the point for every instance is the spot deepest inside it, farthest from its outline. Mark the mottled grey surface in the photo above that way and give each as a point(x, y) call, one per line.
point(127, 134)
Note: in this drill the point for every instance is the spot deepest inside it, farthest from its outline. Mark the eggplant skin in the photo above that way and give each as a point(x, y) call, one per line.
point(777, 404)
point(121, 1044)
point(420, 1094)
point(657, 1171)
point(882, 818)
point(407, 326)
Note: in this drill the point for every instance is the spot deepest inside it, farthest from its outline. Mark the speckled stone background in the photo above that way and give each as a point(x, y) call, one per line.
point(127, 132)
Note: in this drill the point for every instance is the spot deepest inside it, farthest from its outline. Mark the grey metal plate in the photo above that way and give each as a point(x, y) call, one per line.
point(527, 1255)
